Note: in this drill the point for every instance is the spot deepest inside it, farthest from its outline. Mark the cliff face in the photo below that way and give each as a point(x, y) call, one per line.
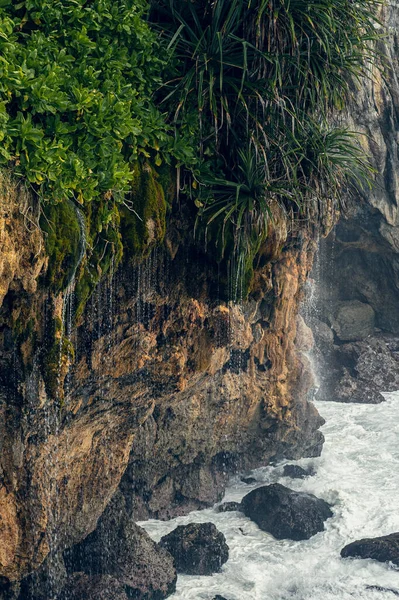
point(358, 267)
point(171, 390)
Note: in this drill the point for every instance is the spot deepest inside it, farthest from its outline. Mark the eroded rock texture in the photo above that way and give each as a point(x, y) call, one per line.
point(171, 390)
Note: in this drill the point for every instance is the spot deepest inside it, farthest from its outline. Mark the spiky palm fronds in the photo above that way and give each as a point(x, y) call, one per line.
point(265, 77)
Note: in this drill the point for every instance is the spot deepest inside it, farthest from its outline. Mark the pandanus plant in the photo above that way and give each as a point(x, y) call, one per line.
point(266, 78)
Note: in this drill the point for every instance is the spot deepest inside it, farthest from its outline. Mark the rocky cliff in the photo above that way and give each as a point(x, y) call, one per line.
point(357, 273)
point(168, 388)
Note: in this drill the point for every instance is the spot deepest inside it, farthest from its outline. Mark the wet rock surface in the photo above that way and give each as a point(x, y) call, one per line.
point(229, 507)
point(383, 549)
point(120, 548)
point(248, 480)
point(47, 582)
point(358, 371)
point(81, 586)
point(284, 513)
point(197, 548)
point(296, 472)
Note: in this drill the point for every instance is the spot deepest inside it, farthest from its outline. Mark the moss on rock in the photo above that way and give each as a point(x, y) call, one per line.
point(143, 216)
point(62, 233)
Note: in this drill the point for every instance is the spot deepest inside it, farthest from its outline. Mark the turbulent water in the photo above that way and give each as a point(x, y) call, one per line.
point(358, 473)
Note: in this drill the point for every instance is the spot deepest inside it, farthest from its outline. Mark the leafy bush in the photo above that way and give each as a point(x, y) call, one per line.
point(76, 84)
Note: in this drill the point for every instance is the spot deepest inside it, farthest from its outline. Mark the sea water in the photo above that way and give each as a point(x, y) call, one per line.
point(358, 473)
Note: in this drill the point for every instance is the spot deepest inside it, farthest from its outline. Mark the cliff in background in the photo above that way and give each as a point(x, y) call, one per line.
point(357, 274)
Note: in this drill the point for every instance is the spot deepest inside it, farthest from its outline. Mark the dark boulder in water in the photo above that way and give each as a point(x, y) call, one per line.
point(81, 586)
point(296, 472)
point(198, 548)
point(383, 549)
point(284, 513)
point(229, 507)
point(219, 597)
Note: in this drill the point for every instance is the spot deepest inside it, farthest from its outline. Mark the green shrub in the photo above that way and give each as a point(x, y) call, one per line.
point(76, 84)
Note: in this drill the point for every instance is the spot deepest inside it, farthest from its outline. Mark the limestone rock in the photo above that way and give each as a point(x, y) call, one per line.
point(383, 549)
point(284, 513)
point(197, 548)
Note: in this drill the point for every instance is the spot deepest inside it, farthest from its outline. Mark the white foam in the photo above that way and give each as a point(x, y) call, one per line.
point(359, 473)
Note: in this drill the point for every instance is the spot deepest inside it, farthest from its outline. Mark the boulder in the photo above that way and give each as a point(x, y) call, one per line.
point(353, 321)
point(198, 548)
point(383, 549)
point(123, 550)
point(219, 597)
point(353, 389)
point(81, 586)
point(284, 513)
point(229, 507)
point(296, 472)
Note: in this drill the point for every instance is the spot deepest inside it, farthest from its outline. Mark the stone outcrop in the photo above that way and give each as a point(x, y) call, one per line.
point(171, 390)
point(284, 513)
point(197, 548)
point(383, 549)
point(358, 268)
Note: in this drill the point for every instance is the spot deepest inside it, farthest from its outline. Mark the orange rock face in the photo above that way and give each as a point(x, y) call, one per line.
point(172, 390)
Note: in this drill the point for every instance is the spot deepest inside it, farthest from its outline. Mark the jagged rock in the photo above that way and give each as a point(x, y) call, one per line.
point(353, 320)
point(383, 549)
point(81, 586)
point(351, 389)
point(122, 549)
point(359, 371)
point(198, 548)
point(378, 588)
point(284, 513)
point(296, 472)
point(47, 582)
point(219, 597)
point(229, 507)
point(173, 388)
point(248, 480)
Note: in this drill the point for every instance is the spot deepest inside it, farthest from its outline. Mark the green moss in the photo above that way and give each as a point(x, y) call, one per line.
point(143, 218)
point(55, 365)
point(62, 233)
point(56, 356)
point(104, 250)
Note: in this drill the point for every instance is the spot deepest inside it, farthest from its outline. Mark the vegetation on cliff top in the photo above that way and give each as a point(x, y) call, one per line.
point(265, 78)
point(236, 94)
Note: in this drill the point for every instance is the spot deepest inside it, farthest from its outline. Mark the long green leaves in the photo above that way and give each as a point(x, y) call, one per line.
point(265, 79)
